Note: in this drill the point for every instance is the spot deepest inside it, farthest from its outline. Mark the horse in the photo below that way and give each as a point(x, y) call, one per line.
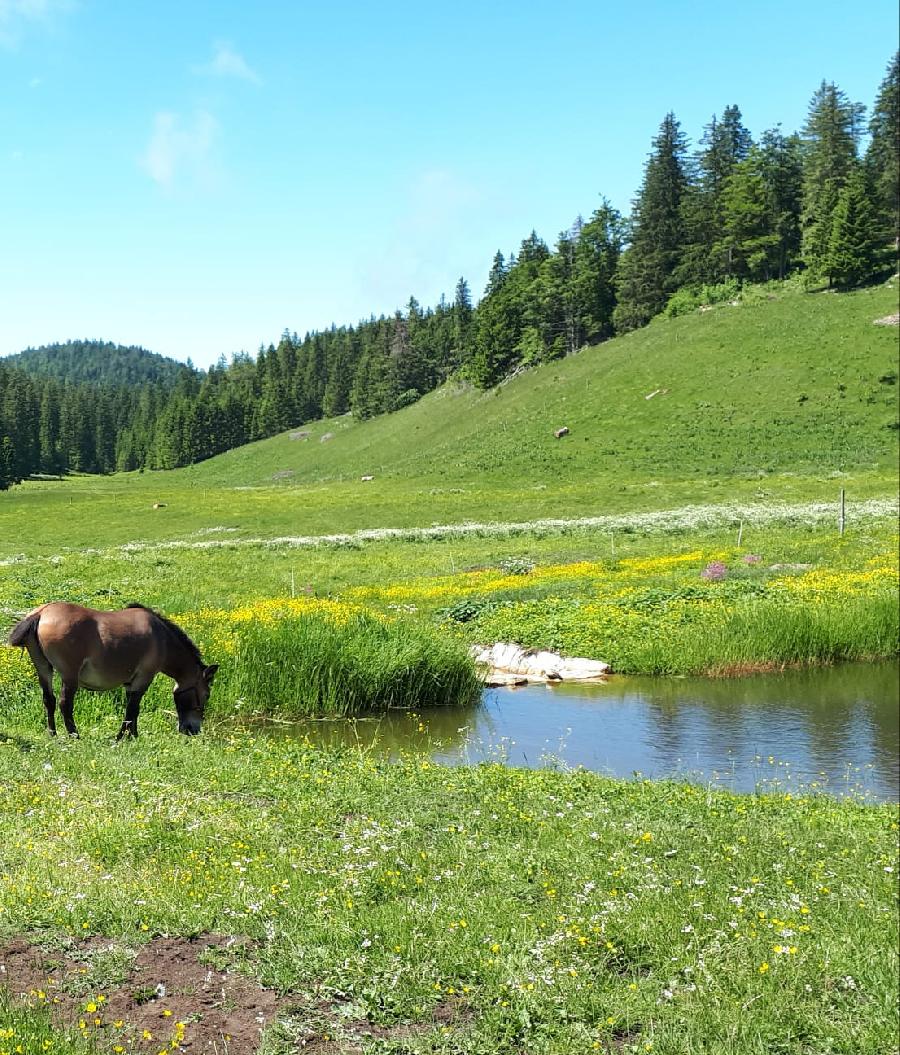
point(103, 650)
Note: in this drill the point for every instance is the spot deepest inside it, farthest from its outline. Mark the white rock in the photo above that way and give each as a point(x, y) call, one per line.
point(506, 660)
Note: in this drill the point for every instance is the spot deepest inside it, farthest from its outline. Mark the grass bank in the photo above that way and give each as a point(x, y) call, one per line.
point(448, 910)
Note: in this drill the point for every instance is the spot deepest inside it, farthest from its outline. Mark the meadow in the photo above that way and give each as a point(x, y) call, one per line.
point(407, 907)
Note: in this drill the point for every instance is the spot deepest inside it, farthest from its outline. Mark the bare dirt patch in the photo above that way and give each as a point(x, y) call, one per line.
point(183, 993)
point(168, 994)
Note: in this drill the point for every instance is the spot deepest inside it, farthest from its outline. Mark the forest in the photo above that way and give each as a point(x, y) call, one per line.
point(734, 210)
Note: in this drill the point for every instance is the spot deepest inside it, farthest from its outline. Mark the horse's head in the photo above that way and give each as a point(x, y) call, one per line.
point(190, 700)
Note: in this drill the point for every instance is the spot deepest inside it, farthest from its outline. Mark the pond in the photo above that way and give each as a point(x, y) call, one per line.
point(828, 729)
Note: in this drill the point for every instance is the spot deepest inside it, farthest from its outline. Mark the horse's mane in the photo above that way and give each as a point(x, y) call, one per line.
point(173, 629)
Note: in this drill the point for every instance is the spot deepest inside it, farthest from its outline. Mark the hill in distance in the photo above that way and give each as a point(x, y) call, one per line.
point(99, 362)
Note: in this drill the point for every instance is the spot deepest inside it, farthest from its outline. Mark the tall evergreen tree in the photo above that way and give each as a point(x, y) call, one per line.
point(725, 144)
point(760, 219)
point(7, 463)
point(647, 269)
point(747, 238)
point(854, 254)
point(781, 167)
point(883, 154)
point(462, 322)
point(829, 138)
point(598, 247)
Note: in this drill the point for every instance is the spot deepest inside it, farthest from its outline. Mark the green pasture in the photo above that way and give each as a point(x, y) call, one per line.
point(496, 910)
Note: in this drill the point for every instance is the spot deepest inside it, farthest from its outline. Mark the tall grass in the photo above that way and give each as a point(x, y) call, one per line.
point(305, 666)
point(765, 635)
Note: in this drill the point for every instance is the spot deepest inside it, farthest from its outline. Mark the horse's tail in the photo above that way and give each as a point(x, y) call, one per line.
point(25, 629)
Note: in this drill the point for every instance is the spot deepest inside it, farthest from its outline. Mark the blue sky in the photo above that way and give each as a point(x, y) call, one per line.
point(196, 177)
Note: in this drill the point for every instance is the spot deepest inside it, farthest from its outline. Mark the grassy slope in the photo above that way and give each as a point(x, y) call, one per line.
point(732, 424)
point(734, 380)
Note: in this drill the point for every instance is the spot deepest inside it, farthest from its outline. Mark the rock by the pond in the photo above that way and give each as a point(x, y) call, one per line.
point(509, 664)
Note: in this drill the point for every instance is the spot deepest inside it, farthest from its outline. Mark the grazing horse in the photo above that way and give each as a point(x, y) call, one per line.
point(102, 650)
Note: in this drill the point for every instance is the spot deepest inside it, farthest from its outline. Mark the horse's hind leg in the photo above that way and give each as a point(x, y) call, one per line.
point(45, 677)
point(66, 703)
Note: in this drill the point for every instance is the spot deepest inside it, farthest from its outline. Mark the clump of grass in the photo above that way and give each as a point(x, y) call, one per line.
point(29, 1029)
point(308, 666)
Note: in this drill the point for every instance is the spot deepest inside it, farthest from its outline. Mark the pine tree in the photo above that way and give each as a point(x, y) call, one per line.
point(853, 250)
point(647, 269)
point(725, 144)
point(462, 323)
point(497, 275)
point(598, 247)
point(49, 432)
point(559, 331)
point(760, 232)
point(829, 139)
point(7, 463)
point(781, 166)
point(747, 239)
point(883, 154)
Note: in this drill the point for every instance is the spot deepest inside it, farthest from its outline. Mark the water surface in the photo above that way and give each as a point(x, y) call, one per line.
point(828, 729)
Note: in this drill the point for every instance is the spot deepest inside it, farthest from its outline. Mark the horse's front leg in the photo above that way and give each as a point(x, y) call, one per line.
point(66, 705)
point(132, 709)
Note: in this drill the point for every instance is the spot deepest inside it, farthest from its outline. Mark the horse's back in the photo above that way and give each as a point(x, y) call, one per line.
point(101, 649)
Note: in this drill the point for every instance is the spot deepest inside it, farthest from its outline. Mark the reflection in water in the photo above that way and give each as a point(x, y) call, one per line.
point(832, 729)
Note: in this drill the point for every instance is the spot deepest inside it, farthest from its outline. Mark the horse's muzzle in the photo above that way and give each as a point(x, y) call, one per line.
point(189, 728)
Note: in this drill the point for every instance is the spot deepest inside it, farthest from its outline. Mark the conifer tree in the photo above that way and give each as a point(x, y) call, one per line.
point(462, 323)
point(747, 238)
point(854, 255)
point(598, 247)
point(829, 139)
point(7, 463)
point(883, 154)
point(781, 167)
point(725, 144)
point(647, 269)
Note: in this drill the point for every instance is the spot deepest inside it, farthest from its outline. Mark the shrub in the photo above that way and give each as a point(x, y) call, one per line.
point(690, 298)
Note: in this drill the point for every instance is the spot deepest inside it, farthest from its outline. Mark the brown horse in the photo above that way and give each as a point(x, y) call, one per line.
point(102, 650)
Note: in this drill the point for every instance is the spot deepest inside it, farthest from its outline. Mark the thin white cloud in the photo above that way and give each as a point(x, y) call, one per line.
point(428, 242)
point(16, 16)
point(226, 62)
point(180, 148)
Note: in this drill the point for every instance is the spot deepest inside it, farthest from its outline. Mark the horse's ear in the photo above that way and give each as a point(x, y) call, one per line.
point(209, 673)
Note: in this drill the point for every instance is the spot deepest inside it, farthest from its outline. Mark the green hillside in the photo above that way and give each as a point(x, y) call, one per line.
point(799, 383)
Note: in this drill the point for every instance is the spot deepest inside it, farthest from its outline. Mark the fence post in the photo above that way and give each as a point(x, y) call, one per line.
point(841, 517)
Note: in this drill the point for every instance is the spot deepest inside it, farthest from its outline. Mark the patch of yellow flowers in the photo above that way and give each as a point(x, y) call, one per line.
point(218, 627)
